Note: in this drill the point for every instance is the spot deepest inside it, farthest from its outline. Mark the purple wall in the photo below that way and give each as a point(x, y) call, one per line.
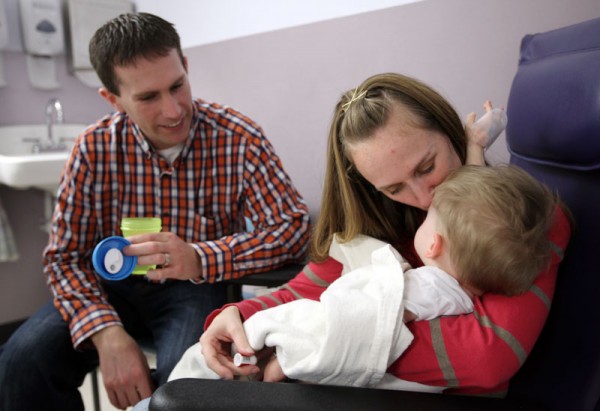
point(289, 80)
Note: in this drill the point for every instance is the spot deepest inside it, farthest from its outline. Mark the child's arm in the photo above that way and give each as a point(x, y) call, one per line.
point(430, 292)
point(482, 133)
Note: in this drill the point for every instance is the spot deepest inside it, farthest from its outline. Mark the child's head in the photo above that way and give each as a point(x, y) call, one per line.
point(492, 224)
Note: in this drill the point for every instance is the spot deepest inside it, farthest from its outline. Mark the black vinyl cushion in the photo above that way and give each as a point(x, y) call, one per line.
point(217, 395)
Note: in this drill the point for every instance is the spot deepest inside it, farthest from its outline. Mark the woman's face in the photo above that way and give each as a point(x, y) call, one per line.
point(405, 162)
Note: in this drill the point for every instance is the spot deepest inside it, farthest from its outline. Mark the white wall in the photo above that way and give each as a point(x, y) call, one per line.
point(212, 21)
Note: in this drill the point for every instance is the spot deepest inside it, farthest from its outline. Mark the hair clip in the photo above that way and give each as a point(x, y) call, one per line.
point(355, 96)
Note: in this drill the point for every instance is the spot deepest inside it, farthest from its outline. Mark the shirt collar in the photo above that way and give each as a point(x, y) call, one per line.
point(147, 147)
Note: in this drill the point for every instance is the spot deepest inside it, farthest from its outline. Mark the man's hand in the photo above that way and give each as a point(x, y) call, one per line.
point(176, 258)
point(124, 367)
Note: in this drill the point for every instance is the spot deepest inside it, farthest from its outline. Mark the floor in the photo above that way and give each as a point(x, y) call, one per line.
point(88, 398)
point(105, 405)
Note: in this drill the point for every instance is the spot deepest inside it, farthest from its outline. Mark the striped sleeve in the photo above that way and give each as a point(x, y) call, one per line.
point(479, 353)
point(248, 173)
point(309, 283)
point(77, 292)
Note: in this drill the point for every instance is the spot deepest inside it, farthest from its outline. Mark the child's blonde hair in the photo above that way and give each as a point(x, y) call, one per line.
point(495, 221)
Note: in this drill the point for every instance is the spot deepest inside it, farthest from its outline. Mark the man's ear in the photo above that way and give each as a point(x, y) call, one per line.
point(436, 245)
point(110, 98)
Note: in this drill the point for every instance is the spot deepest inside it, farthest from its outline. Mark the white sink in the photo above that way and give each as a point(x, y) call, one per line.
point(21, 168)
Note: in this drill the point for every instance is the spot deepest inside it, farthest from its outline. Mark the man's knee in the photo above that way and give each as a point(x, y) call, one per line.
point(42, 339)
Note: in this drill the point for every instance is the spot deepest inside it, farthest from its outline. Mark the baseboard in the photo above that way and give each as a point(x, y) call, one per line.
point(7, 329)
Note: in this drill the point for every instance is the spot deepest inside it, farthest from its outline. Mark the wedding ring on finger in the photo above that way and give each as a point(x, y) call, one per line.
point(167, 260)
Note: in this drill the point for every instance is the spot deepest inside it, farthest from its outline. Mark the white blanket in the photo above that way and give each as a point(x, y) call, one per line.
point(352, 335)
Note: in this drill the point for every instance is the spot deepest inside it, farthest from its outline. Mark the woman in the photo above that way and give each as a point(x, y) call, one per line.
point(392, 141)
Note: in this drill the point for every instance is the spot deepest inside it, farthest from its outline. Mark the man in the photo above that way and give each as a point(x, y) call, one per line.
point(203, 169)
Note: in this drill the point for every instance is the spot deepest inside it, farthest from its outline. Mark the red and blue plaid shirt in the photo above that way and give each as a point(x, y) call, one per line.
point(226, 171)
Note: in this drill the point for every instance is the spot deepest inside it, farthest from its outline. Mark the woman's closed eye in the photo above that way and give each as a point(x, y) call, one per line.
point(426, 168)
point(423, 170)
point(393, 190)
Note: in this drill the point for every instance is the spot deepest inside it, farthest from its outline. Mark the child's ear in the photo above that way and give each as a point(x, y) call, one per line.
point(435, 247)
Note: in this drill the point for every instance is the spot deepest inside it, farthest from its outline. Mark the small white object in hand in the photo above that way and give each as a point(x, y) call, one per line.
point(239, 360)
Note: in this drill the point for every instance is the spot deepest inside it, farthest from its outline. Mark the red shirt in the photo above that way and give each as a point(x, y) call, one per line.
point(471, 353)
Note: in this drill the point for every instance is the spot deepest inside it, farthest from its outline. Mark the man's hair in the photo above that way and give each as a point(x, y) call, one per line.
point(495, 221)
point(127, 38)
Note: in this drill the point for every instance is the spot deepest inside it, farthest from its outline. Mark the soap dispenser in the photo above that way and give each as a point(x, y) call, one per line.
point(43, 39)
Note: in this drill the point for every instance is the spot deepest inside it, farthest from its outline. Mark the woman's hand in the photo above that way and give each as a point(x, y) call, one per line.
point(225, 329)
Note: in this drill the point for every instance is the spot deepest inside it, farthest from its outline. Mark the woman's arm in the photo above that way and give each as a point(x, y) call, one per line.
point(308, 283)
point(224, 326)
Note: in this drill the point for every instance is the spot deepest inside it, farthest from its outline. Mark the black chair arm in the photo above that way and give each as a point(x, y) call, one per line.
point(212, 395)
point(272, 278)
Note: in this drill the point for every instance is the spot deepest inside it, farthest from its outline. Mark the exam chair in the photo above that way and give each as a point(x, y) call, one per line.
point(553, 132)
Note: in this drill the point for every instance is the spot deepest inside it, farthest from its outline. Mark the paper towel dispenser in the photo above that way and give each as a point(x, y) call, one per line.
point(84, 18)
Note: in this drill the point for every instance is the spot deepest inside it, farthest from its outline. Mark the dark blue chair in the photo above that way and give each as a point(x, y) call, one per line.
point(554, 133)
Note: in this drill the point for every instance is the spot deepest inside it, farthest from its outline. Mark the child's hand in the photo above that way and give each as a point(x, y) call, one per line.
point(486, 130)
point(273, 371)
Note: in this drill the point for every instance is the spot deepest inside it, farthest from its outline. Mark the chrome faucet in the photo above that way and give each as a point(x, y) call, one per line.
point(54, 115)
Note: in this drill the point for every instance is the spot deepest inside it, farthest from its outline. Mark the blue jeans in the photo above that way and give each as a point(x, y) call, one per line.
point(40, 369)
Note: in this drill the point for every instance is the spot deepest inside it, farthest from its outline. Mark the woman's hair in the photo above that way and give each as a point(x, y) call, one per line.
point(495, 221)
point(350, 204)
point(126, 39)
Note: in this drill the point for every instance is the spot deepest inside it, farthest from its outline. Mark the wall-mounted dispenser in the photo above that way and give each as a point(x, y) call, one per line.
point(3, 41)
point(43, 40)
point(85, 17)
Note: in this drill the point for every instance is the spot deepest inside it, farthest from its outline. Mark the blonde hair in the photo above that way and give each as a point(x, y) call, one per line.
point(495, 221)
point(350, 205)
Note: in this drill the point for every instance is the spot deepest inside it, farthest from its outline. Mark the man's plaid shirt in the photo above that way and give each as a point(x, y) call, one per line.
point(226, 171)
